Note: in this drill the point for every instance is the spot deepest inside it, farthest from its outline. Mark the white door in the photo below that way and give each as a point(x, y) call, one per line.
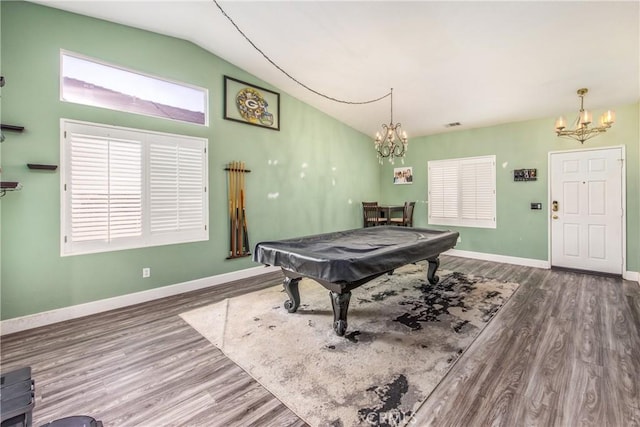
point(586, 210)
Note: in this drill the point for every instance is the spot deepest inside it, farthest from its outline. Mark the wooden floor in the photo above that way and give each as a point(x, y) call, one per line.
point(564, 351)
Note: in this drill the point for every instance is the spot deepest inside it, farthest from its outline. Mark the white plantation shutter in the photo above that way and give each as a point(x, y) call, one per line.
point(176, 186)
point(125, 192)
point(89, 188)
point(125, 188)
point(462, 192)
point(478, 202)
point(443, 190)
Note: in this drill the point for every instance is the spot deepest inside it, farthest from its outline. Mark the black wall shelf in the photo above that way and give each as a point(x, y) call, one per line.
point(9, 186)
point(37, 166)
point(12, 127)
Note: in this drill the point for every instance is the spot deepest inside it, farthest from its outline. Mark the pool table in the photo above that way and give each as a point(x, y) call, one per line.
point(341, 261)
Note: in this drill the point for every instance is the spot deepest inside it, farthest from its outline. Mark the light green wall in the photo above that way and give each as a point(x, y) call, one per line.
point(320, 168)
point(34, 276)
point(521, 232)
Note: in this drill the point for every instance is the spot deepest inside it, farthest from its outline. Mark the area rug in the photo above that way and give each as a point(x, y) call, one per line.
point(403, 335)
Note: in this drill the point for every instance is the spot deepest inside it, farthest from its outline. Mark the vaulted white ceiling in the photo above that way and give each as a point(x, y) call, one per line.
point(477, 63)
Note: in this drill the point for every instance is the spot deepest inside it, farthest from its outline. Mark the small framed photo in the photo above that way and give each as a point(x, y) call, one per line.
point(525, 175)
point(251, 104)
point(403, 175)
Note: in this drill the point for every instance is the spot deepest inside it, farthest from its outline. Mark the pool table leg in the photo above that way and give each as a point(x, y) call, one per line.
point(291, 287)
point(340, 304)
point(431, 273)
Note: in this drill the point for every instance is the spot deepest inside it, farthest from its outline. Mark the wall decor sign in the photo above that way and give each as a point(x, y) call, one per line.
point(525, 174)
point(251, 104)
point(403, 175)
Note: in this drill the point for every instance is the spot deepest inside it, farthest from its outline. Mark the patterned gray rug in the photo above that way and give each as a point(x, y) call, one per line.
point(403, 336)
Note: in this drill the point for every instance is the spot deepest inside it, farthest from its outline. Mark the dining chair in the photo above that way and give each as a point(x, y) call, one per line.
point(371, 214)
point(407, 216)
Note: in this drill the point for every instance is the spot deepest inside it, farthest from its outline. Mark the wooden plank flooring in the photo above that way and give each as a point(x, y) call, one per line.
point(564, 351)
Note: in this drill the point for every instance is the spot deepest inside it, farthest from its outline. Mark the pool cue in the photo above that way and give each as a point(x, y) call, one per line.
point(236, 222)
point(239, 211)
point(240, 208)
point(237, 218)
point(231, 233)
point(245, 233)
point(235, 209)
point(245, 241)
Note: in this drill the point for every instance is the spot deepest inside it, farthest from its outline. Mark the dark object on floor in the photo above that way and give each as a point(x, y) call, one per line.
point(17, 398)
point(74, 421)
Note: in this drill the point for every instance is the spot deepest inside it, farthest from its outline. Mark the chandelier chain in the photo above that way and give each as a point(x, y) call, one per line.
point(391, 93)
point(272, 62)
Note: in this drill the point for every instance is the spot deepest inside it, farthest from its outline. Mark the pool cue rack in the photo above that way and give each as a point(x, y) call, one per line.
point(238, 230)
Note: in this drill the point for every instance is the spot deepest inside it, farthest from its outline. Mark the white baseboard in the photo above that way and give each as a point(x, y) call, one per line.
point(631, 275)
point(627, 275)
point(528, 262)
point(44, 318)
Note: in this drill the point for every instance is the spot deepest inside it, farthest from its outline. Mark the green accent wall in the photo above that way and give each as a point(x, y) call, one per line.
point(521, 232)
point(301, 180)
point(308, 178)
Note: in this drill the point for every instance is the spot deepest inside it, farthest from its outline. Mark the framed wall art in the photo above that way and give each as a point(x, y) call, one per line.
point(403, 175)
point(251, 104)
point(525, 174)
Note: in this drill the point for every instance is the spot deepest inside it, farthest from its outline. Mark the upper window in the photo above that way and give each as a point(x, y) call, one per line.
point(89, 82)
point(127, 188)
point(463, 192)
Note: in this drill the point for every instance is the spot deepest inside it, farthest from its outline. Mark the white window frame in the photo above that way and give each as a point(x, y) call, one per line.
point(462, 192)
point(154, 87)
point(173, 209)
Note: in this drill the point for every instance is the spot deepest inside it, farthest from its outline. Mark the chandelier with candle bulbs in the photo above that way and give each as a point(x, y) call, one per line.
point(582, 130)
point(392, 141)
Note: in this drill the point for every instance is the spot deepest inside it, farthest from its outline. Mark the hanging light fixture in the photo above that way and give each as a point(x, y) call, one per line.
point(392, 142)
point(581, 131)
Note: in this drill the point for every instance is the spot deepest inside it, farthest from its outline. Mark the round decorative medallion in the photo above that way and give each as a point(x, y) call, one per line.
point(253, 107)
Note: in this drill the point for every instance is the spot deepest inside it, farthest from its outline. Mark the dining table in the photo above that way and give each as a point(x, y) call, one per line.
point(389, 211)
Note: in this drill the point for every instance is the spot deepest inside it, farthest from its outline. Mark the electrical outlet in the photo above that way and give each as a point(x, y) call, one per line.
point(146, 272)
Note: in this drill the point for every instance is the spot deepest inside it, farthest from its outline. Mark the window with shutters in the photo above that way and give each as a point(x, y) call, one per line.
point(128, 188)
point(463, 192)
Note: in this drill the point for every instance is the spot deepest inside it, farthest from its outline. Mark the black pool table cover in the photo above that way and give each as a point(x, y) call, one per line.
point(354, 255)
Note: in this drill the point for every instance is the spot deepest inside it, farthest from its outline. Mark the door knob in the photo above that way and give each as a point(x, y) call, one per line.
point(555, 217)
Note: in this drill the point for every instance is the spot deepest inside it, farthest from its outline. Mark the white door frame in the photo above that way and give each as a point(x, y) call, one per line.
point(623, 173)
